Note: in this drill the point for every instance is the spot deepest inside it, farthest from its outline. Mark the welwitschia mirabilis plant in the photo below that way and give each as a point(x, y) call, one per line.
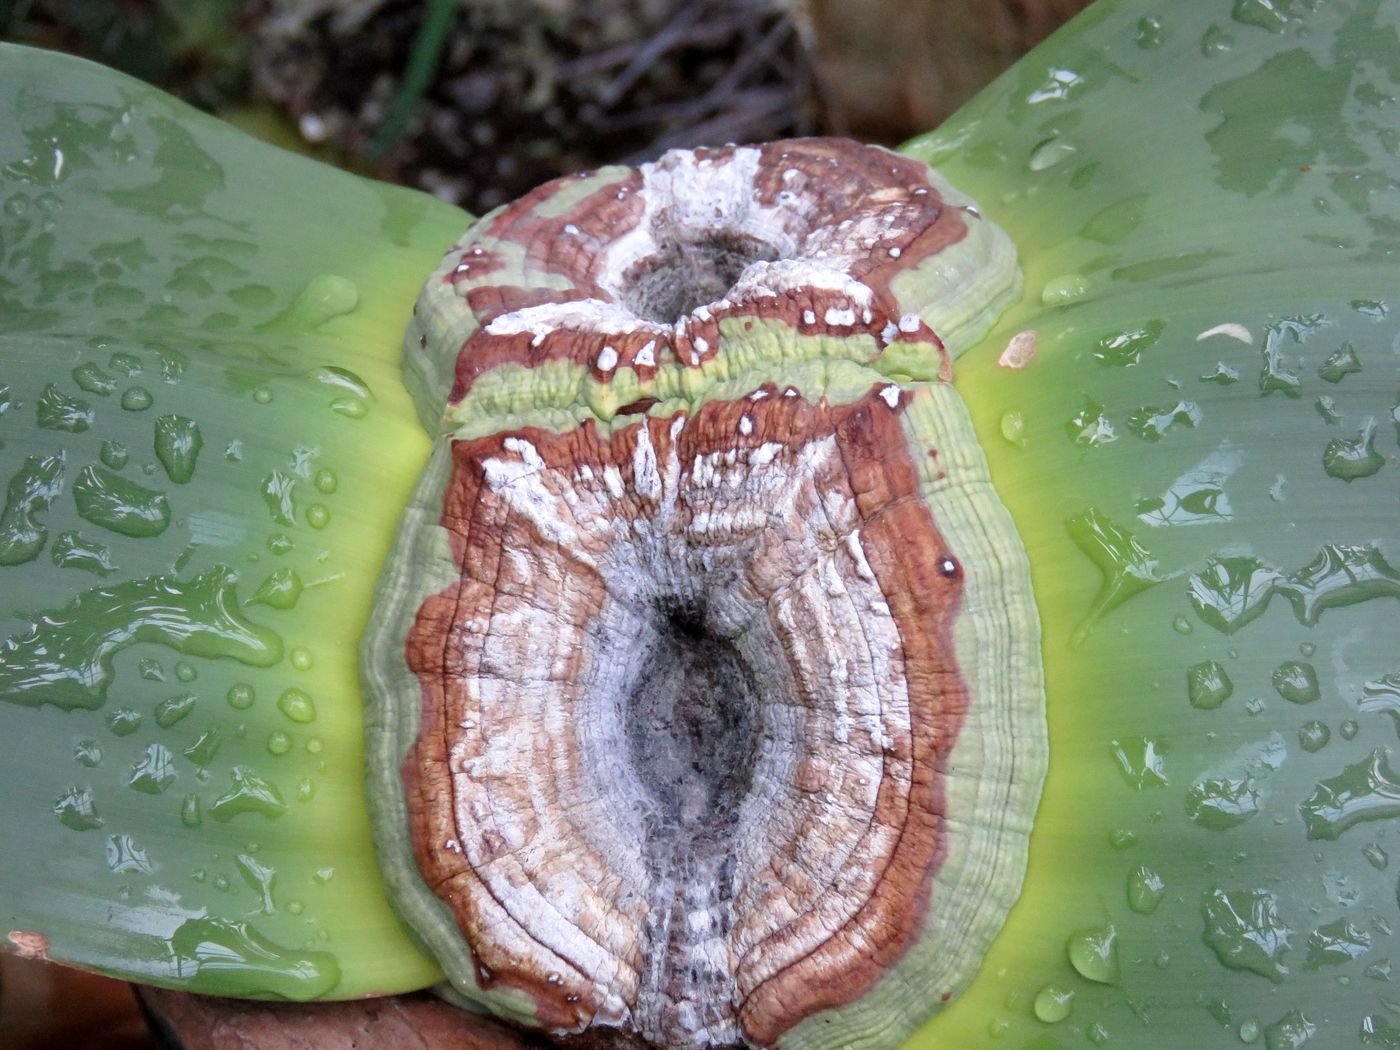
point(207, 445)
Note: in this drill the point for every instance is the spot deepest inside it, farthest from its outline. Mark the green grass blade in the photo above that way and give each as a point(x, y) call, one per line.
point(1205, 200)
point(205, 445)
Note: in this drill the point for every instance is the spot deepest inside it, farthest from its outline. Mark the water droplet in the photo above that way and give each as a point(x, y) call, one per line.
point(1208, 685)
point(1249, 1031)
point(301, 658)
point(1349, 729)
point(177, 444)
point(55, 410)
point(1263, 14)
point(1337, 942)
point(65, 658)
point(1223, 375)
point(202, 751)
point(128, 365)
point(172, 709)
point(1313, 736)
point(77, 810)
point(295, 907)
point(240, 696)
point(222, 957)
point(1064, 289)
point(1049, 153)
point(1097, 1034)
point(88, 753)
point(71, 551)
point(1122, 839)
point(280, 590)
point(1089, 427)
point(1145, 890)
point(1123, 349)
point(1152, 423)
point(112, 502)
point(1094, 954)
point(1342, 363)
point(1221, 803)
point(31, 491)
point(262, 395)
point(1054, 1003)
point(151, 670)
point(250, 794)
point(1296, 682)
point(1375, 856)
point(306, 790)
point(326, 480)
point(1013, 427)
point(1353, 458)
point(153, 772)
point(1141, 761)
point(1375, 309)
point(279, 543)
point(1215, 41)
point(1128, 568)
point(279, 494)
point(278, 742)
point(136, 399)
point(92, 380)
point(350, 407)
point(1244, 930)
point(1181, 625)
point(124, 855)
point(1115, 222)
point(1290, 1032)
point(124, 721)
point(297, 706)
point(1364, 791)
point(1327, 409)
point(318, 516)
point(190, 814)
point(260, 877)
point(1377, 1031)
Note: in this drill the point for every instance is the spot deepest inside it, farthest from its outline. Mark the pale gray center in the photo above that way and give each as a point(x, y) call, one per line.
point(685, 275)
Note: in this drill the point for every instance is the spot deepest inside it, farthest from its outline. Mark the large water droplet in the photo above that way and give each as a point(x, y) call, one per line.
point(172, 709)
point(1122, 349)
point(1220, 803)
point(1207, 685)
point(1094, 954)
point(153, 772)
point(250, 794)
point(297, 706)
point(1244, 930)
point(1353, 458)
point(178, 441)
point(123, 506)
point(220, 957)
point(1141, 760)
point(55, 410)
point(1296, 682)
point(31, 491)
point(1290, 1032)
point(1364, 791)
point(1337, 942)
point(1145, 890)
point(1342, 363)
point(77, 809)
point(65, 658)
point(1054, 1003)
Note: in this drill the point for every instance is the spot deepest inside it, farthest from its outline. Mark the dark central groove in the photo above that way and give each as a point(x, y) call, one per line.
point(685, 275)
point(692, 732)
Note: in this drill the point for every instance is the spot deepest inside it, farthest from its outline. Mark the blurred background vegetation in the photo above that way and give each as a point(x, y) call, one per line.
point(477, 101)
point(480, 100)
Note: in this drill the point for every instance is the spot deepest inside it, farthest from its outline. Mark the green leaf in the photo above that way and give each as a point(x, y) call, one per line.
point(205, 445)
point(1206, 199)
